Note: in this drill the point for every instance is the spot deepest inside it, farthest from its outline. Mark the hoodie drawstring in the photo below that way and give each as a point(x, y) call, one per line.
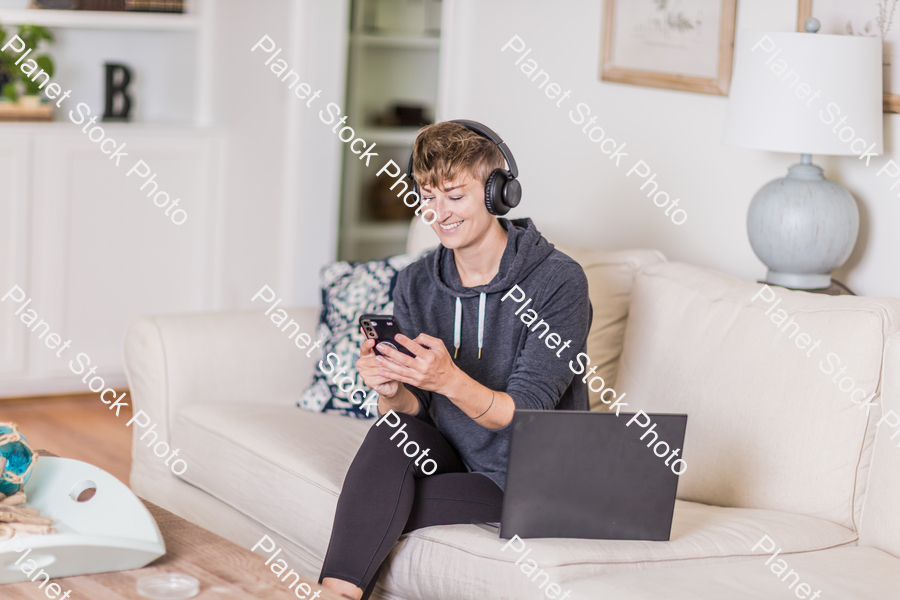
point(481, 323)
point(457, 325)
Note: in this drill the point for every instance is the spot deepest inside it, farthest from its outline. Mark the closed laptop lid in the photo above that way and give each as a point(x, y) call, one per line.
point(583, 474)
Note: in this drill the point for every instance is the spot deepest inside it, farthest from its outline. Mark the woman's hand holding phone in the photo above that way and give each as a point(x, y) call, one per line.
point(388, 359)
point(369, 368)
point(430, 368)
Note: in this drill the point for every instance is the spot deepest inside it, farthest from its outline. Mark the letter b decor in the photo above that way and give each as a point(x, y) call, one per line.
point(118, 102)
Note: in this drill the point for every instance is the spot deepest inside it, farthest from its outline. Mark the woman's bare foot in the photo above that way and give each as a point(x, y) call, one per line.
point(344, 588)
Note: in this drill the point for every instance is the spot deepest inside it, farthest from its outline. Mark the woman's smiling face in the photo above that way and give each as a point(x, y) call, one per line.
point(462, 218)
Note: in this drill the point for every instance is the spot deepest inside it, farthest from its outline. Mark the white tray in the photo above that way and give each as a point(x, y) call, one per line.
point(113, 531)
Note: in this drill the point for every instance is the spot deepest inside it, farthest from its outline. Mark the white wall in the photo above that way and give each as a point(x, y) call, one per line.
point(282, 177)
point(575, 194)
point(312, 153)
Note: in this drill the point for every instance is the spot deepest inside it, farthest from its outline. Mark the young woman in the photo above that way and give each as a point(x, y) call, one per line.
point(478, 357)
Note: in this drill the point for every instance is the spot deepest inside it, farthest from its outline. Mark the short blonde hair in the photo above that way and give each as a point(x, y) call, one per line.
point(444, 151)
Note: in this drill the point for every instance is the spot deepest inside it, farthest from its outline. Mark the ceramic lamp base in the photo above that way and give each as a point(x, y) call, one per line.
point(798, 280)
point(802, 227)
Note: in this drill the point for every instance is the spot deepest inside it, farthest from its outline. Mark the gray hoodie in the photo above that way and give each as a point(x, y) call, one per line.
point(515, 358)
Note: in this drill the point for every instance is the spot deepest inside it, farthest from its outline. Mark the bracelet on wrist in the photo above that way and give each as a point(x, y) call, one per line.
point(488, 408)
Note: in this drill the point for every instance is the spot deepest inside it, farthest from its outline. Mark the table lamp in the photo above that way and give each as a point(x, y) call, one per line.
point(805, 93)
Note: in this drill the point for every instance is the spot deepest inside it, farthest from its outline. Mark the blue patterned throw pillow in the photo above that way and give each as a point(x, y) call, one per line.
point(349, 289)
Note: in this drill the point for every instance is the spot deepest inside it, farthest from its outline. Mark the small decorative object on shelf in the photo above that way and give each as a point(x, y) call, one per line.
point(54, 4)
point(404, 116)
point(384, 203)
point(118, 102)
point(107, 5)
point(16, 460)
point(168, 6)
point(26, 111)
point(20, 94)
point(113, 5)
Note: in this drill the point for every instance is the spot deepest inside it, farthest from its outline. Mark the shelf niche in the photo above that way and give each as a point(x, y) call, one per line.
point(394, 59)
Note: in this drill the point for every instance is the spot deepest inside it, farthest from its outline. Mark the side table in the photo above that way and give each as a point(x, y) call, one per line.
point(835, 289)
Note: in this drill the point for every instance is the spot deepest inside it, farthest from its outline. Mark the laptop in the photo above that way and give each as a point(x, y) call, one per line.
point(584, 474)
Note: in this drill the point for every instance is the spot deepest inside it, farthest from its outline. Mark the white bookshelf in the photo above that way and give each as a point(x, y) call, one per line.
point(384, 68)
point(169, 55)
point(60, 196)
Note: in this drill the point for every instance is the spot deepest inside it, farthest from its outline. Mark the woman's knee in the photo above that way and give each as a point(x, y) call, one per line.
point(398, 425)
point(400, 437)
point(397, 429)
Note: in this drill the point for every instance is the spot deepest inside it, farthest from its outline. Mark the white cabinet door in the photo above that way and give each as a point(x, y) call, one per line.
point(14, 182)
point(103, 253)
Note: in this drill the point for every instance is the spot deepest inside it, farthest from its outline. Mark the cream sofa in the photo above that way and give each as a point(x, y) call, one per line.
point(774, 447)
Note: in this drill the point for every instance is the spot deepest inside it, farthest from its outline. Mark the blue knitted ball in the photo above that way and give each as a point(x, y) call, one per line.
point(19, 459)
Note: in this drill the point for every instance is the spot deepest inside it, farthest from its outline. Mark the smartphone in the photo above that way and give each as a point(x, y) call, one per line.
point(383, 329)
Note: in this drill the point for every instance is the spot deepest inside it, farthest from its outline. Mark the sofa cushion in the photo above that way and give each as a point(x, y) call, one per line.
point(284, 468)
point(767, 428)
point(853, 573)
point(465, 561)
point(610, 278)
point(281, 466)
point(881, 519)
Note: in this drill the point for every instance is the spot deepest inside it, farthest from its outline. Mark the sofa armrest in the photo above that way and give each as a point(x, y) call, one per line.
point(171, 361)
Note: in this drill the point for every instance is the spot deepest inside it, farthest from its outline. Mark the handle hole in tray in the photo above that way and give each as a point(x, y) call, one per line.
point(83, 491)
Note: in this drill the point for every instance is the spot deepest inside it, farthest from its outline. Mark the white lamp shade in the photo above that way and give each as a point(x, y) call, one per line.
point(796, 101)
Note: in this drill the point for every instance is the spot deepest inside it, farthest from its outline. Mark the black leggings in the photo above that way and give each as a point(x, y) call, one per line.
point(385, 495)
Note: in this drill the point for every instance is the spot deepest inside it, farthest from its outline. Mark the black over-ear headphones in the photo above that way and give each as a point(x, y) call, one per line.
point(502, 191)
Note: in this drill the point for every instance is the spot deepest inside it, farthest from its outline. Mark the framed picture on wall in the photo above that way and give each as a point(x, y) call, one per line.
point(675, 44)
point(872, 19)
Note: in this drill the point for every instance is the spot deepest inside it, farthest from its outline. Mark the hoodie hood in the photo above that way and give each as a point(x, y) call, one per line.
point(525, 249)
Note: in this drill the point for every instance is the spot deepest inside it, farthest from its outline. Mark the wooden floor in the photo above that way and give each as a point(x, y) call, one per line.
point(78, 426)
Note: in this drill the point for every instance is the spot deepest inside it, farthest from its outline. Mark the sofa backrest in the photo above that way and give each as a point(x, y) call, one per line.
point(881, 517)
point(768, 425)
point(610, 279)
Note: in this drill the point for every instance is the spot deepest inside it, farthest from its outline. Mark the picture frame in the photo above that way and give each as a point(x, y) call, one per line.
point(682, 45)
point(850, 18)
